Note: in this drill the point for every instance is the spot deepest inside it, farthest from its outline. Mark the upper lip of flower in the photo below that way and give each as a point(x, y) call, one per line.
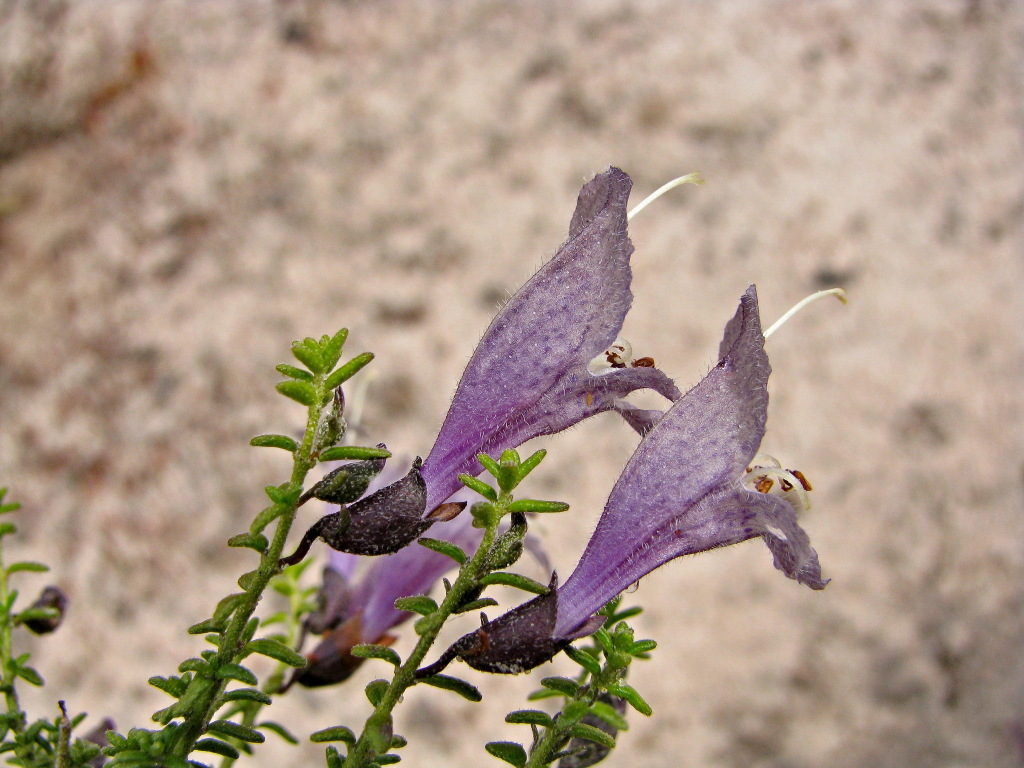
point(529, 374)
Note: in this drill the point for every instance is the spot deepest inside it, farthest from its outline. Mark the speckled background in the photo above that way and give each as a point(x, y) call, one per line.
point(187, 187)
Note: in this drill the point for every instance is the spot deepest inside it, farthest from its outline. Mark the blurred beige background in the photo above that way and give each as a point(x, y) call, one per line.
point(185, 188)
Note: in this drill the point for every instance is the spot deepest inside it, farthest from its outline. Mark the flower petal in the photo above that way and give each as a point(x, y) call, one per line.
point(680, 493)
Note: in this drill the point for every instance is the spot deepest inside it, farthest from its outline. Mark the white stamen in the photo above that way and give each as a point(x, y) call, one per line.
point(839, 293)
point(618, 355)
point(690, 178)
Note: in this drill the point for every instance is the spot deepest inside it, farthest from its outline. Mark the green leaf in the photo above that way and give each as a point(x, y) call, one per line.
point(332, 349)
point(371, 651)
point(543, 693)
point(275, 441)
point(217, 747)
point(375, 691)
point(387, 759)
point(278, 494)
point(247, 580)
point(515, 580)
point(280, 730)
point(226, 607)
point(6, 528)
point(590, 733)
point(27, 565)
point(299, 391)
point(610, 715)
point(348, 370)
point(235, 672)
point(642, 646)
point(266, 517)
point(584, 659)
point(307, 352)
point(629, 613)
point(255, 541)
point(276, 650)
point(333, 757)
point(453, 551)
point(563, 685)
point(205, 626)
point(529, 717)
point(236, 731)
point(455, 685)
point(29, 675)
point(526, 467)
point(509, 751)
point(337, 733)
point(630, 694)
point(172, 686)
point(476, 605)
point(397, 742)
point(354, 453)
point(479, 486)
point(420, 604)
point(535, 505)
point(572, 713)
point(489, 464)
point(246, 694)
point(295, 373)
point(198, 666)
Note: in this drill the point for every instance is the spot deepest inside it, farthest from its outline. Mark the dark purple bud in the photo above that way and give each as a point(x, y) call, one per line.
point(382, 523)
point(53, 598)
point(346, 484)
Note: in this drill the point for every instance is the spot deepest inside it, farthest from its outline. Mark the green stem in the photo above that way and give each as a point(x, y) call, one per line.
point(15, 718)
point(361, 753)
point(206, 702)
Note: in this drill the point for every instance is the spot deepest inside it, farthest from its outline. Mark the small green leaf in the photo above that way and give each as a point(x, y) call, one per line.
point(274, 441)
point(529, 717)
point(375, 691)
point(337, 733)
point(226, 607)
point(246, 694)
point(299, 391)
point(515, 580)
point(509, 751)
point(354, 453)
point(348, 370)
point(543, 693)
point(526, 467)
point(6, 528)
point(641, 646)
point(387, 759)
point(453, 551)
point(572, 713)
point(276, 650)
point(378, 730)
point(629, 613)
point(235, 672)
point(590, 733)
point(610, 715)
point(630, 694)
point(332, 349)
point(476, 605)
point(294, 373)
point(172, 686)
point(563, 685)
point(255, 541)
point(397, 742)
point(217, 747)
point(333, 757)
point(266, 517)
point(584, 659)
point(204, 627)
point(479, 486)
point(308, 353)
point(29, 675)
point(535, 505)
point(198, 666)
point(370, 651)
point(420, 604)
point(247, 580)
point(236, 731)
point(26, 565)
point(489, 464)
point(280, 730)
point(455, 685)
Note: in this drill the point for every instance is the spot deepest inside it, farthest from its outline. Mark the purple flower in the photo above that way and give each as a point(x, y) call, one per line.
point(682, 492)
point(530, 375)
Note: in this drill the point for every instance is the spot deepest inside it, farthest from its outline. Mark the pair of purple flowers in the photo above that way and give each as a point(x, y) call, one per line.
point(550, 359)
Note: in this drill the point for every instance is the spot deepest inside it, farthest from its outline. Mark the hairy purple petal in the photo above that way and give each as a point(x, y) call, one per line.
point(681, 493)
point(528, 376)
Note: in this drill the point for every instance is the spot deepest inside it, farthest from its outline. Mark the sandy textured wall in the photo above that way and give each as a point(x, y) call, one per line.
point(186, 187)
